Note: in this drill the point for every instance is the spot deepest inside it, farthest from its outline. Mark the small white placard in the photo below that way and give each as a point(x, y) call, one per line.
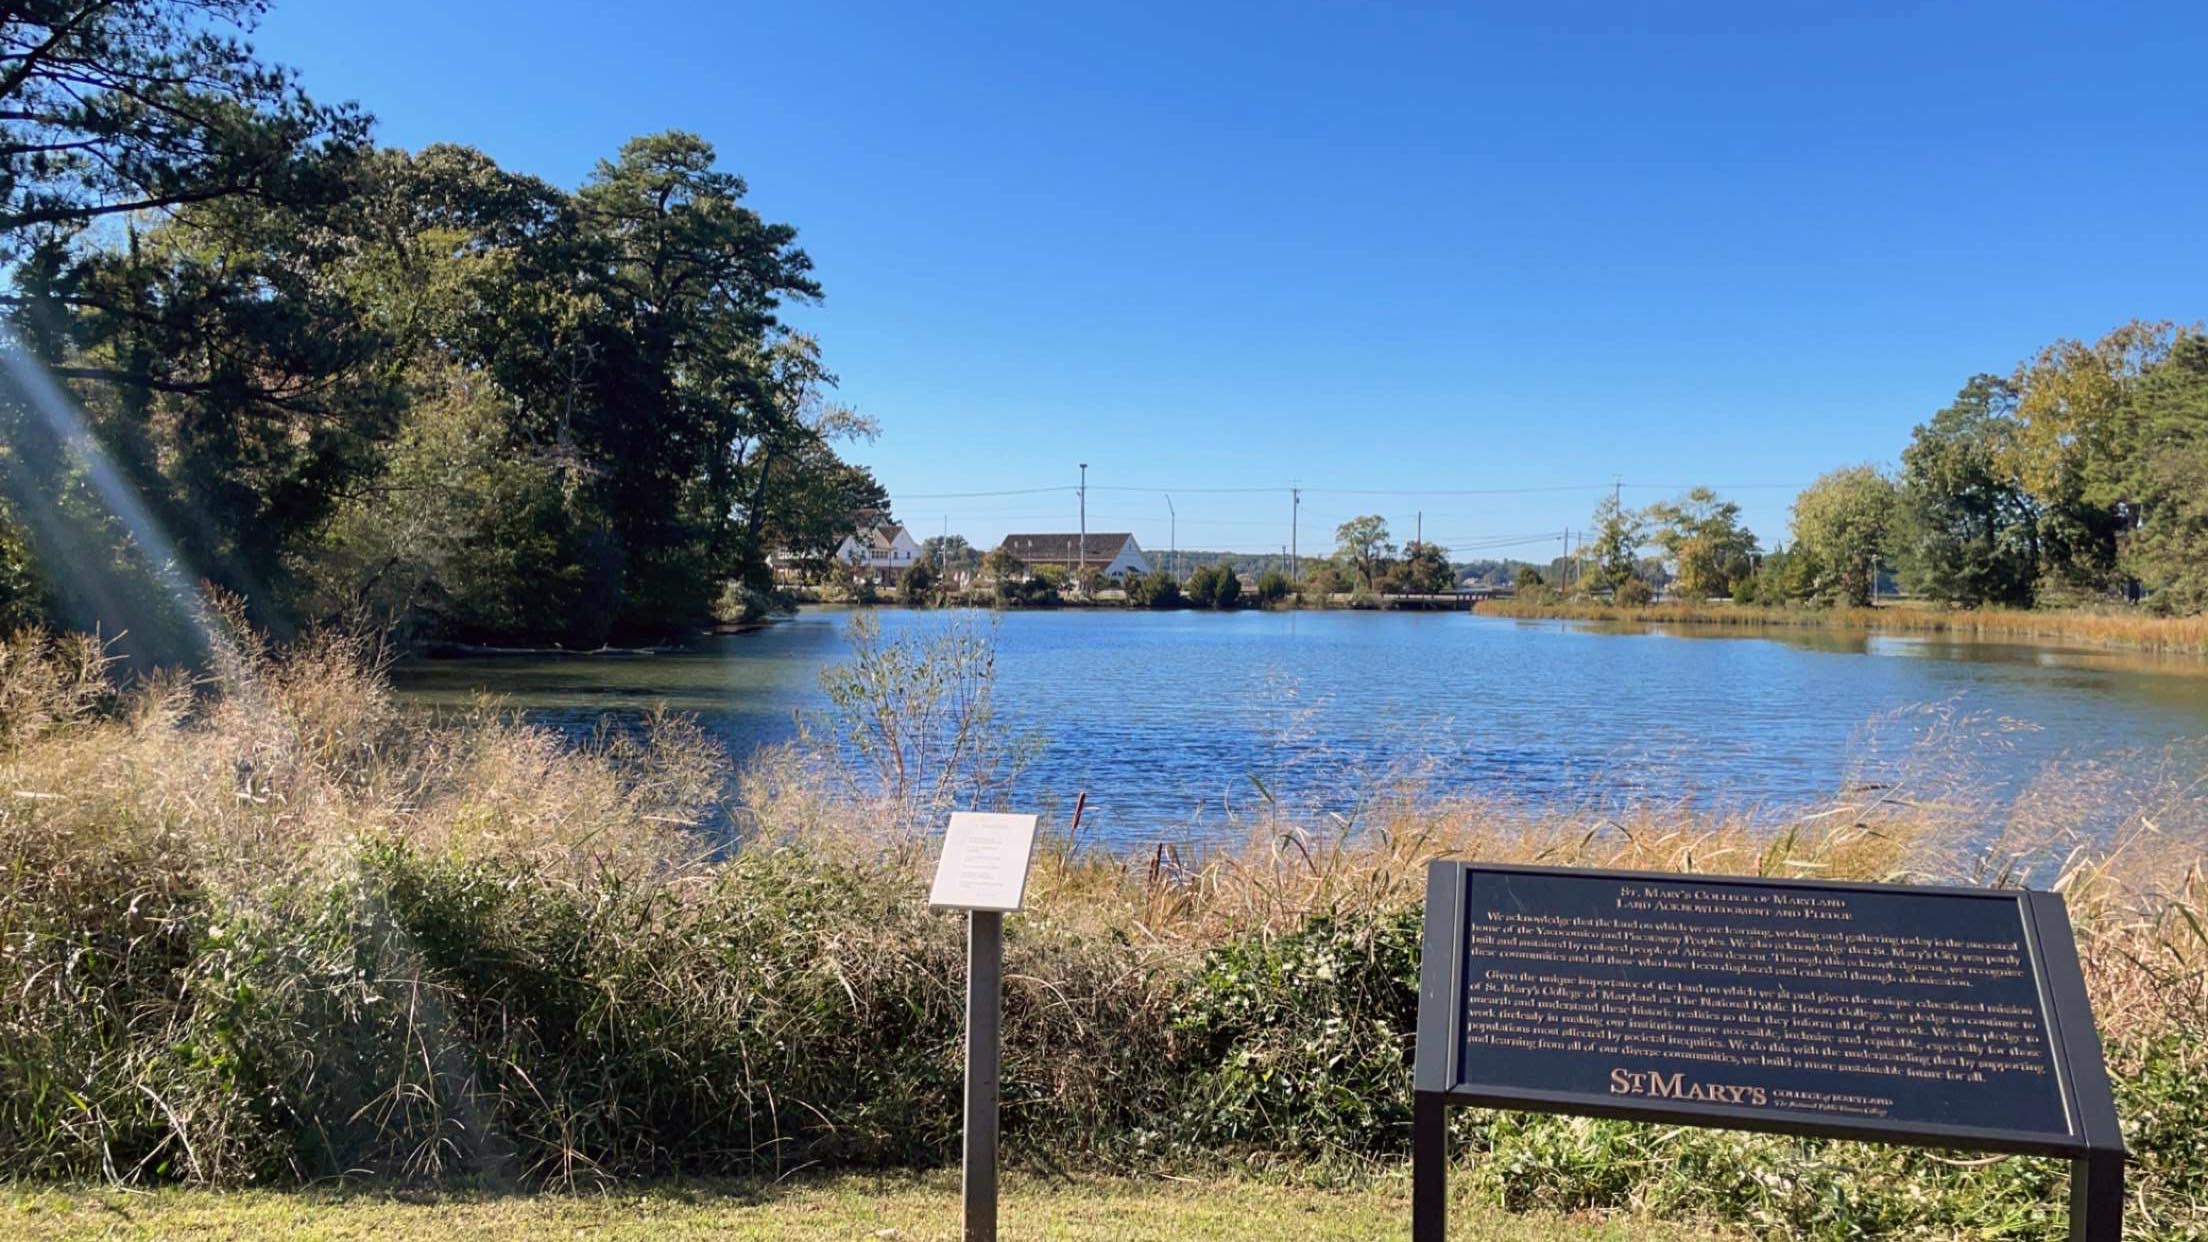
point(984, 864)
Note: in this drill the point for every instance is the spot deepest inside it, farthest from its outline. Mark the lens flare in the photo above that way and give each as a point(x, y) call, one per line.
point(108, 559)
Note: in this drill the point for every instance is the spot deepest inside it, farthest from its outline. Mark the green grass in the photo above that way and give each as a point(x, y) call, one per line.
point(908, 1208)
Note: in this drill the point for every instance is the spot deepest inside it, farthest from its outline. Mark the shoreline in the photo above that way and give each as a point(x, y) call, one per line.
point(2113, 630)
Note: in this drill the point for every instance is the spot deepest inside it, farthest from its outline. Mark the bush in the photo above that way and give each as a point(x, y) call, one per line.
point(1228, 594)
point(740, 603)
point(1632, 593)
point(1302, 1043)
point(1273, 587)
point(1323, 583)
point(1156, 589)
point(916, 586)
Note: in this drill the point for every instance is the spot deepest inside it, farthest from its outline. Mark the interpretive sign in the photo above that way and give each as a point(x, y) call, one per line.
point(1935, 1016)
point(983, 871)
point(984, 863)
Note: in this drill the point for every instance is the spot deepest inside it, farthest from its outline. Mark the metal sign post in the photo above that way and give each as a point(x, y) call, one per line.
point(983, 872)
point(984, 1048)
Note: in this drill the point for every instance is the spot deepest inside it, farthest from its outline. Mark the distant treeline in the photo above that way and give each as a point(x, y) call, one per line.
point(2081, 477)
point(414, 389)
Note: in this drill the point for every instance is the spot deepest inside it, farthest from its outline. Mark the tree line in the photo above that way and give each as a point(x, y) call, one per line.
point(2080, 477)
point(351, 383)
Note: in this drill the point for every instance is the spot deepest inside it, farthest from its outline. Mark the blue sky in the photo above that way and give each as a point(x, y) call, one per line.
point(1414, 251)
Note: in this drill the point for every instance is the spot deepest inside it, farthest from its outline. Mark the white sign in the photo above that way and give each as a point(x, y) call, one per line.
point(984, 864)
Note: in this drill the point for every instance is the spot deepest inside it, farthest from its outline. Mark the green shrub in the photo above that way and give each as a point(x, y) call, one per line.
point(1301, 1043)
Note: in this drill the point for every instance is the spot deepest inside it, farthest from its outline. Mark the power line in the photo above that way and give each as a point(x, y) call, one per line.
point(1017, 491)
point(1411, 492)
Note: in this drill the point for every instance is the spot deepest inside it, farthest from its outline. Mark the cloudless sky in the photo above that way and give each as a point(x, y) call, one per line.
point(1407, 249)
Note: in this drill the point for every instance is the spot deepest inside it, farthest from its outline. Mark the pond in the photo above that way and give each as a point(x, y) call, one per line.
point(1172, 723)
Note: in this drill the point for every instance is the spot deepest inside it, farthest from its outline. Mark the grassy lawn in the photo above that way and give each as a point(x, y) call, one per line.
point(893, 1207)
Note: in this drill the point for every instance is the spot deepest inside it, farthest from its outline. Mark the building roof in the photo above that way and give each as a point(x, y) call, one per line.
point(885, 537)
point(1067, 549)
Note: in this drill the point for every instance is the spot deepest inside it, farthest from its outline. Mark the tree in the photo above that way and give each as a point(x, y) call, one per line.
point(916, 585)
point(952, 552)
point(2164, 478)
point(1967, 530)
point(1424, 570)
point(1613, 555)
point(1842, 523)
point(1326, 580)
point(1228, 592)
point(1272, 587)
point(1000, 567)
point(1705, 547)
point(696, 395)
point(1156, 589)
point(1202, 587)
point(23, 600)
point(463, 534)
point(1362, 544)
point(113, 108)
point(2076, 431)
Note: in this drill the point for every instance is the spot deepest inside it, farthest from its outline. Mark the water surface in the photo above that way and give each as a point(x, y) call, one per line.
point(1170, 722)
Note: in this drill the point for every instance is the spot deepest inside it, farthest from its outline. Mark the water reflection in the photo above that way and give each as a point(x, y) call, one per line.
point(1171, 722)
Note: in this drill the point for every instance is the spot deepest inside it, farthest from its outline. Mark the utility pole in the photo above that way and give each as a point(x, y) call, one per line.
point(1173, 557)
point(1420, 541)
point(1295, 517)
point(1081, 549)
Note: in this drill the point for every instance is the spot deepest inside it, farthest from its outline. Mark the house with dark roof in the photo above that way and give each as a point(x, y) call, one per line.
point(1113, 555)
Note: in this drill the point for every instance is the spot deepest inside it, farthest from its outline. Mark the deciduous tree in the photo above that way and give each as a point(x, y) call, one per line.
point(1705, 547)
point(1362, 544)
point(1842, 524)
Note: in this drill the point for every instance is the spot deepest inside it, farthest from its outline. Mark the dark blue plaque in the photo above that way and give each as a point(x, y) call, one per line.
point(1893, 1006)
point(1936, 1016)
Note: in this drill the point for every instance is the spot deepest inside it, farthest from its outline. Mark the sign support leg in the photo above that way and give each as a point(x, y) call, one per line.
point(2097, 1197)
point(1429, 1167)
point(984, 1001)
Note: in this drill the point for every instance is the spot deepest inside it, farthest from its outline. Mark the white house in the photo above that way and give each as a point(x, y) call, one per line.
point(1115, 556)
point(882, 553)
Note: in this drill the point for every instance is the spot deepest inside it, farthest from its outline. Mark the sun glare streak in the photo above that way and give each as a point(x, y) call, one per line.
point(36, 390)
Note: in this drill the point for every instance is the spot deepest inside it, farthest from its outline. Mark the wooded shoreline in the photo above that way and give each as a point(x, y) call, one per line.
point(2129, 630)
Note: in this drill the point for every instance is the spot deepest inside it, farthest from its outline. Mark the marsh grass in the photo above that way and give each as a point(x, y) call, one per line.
point(2130, 628)
point(272, 929)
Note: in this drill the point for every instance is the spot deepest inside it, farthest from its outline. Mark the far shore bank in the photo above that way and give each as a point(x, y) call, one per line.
point(2133, 630)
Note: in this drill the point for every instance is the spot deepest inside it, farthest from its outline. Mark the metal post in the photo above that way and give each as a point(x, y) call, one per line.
point(1429, 1167)
point(984, 998)
point(2097, 1197)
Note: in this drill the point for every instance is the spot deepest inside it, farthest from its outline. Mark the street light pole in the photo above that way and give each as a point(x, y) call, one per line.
point(1081, 549)
point(1173, 557)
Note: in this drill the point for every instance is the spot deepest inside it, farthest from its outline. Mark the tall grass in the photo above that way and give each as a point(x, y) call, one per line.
point(2129, 628)
point(274, 929)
